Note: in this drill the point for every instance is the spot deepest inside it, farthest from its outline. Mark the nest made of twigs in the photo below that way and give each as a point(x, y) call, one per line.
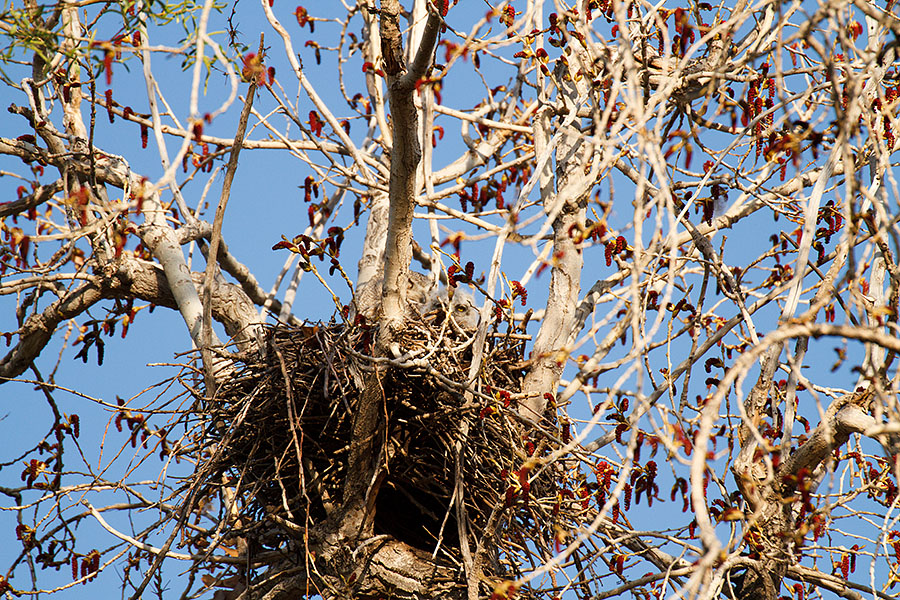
point(281, 428)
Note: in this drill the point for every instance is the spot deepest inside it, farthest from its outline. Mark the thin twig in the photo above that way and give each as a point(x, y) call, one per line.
point(217, 233)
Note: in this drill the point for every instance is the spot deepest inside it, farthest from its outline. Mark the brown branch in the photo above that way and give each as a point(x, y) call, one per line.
point(842, 419)
point(27, 152)
point(33, 200)
point(38, 328)
point(206, 332)
point(131, 279)
point(842, 587)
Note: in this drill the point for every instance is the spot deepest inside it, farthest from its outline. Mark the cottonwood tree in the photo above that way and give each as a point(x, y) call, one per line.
point(680, 224)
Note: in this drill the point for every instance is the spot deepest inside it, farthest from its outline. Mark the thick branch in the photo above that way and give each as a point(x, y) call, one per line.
point(405, 156)
point(409, 574)
point(565, 207)
point(361, 485)
point(559, 317)
point(840, 586)
point(156, 233)
point(843, 418)
point(130, 279)
point(38, 328)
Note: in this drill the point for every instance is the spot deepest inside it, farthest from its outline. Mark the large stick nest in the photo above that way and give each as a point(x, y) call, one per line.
point(281, 428)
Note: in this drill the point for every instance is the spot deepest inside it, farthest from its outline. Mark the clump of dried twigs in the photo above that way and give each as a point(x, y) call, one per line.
point(281, 429)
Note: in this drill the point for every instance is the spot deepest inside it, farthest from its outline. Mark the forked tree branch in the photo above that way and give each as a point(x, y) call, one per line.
point(405, 155)
point(362, 481)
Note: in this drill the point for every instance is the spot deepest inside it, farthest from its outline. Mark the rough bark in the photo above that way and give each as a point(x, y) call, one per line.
point(367, 295)
point(33, 200)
